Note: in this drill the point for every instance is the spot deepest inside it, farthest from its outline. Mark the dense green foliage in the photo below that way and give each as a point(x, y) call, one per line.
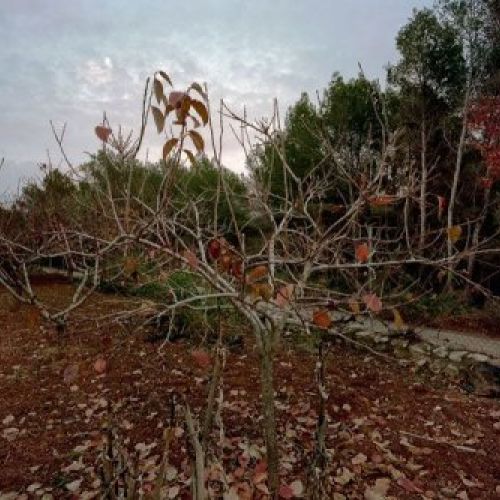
point(200, 184)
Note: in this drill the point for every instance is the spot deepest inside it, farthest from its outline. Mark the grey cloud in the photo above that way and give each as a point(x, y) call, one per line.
point(70, 60)
point(13, 175)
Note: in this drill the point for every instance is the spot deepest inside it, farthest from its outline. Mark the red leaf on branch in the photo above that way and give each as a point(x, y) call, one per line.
point(442, 204)
point(214, 248)
point(284, 295)
point(175, 98)
point(486, 182)
point(484, 128)
point(372, 302)
point(103, 133)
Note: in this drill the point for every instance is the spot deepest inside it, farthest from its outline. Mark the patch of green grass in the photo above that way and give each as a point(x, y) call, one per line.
point(154, 291)
point(182, 284)
point(198, 320)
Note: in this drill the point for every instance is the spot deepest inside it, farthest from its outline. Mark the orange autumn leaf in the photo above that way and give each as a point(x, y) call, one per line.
point(454, 233)
point(354, 306)
point(176, 98)
point(201, 109)
point(237, 268)
point(166, 77)
point(322, 319)
point(197, 139)
point(168, 146)
point(362, 253)
point(190, 156)
point(131, 265)
point(158, 90)
point(159, 118)
point(256, 273)
point(399, 323)
point(261, 290)
point(226, 262)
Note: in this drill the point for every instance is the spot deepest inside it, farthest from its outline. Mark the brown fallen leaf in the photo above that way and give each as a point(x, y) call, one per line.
point(70, 373)
point(201, 358)
point(379, 490)
point(100, 365)
point(408, 485)
point(285, 491)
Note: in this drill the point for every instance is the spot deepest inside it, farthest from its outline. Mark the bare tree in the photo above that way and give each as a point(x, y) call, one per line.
point(283, 282)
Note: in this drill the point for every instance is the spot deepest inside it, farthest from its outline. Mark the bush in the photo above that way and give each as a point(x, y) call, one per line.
point(190, 322)
point(433, 306)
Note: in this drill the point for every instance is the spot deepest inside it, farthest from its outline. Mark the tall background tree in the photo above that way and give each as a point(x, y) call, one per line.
point(430, 76)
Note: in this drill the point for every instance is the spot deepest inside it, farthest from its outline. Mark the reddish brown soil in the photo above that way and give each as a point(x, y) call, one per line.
point(453, 445)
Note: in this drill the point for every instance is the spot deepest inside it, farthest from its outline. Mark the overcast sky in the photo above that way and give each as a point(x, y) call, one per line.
point(69, 60)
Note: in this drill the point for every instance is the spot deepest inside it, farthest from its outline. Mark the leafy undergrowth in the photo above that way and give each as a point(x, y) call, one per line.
point(391, 433)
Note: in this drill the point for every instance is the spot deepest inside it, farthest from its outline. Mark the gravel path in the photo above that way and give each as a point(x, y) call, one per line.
point(452, 340)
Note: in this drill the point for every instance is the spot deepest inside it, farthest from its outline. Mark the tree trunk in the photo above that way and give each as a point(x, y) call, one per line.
point(475, 235)
point(270, 432)
point(456, 177)
point(198, 481)
point(423, 184)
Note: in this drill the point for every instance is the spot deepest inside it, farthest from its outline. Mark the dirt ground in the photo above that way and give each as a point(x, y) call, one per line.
point(390, 428)
point(482, 323)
